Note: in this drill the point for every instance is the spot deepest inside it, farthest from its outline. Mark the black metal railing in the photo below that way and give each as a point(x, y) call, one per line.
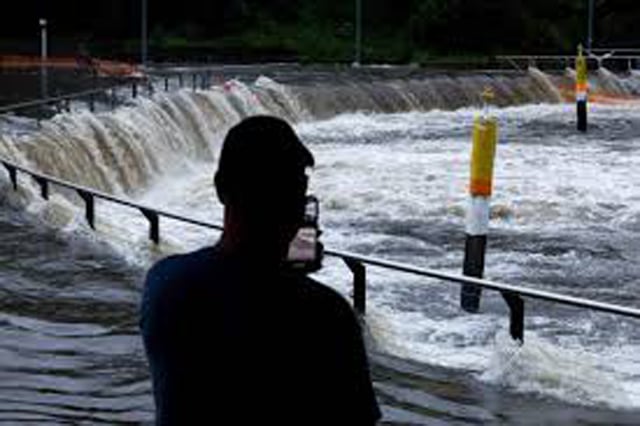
point(625, 62)
point(193, 79)
point(62, 102)
point(356, 263)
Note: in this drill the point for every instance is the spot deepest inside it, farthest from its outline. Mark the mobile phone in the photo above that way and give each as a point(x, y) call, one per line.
point(305, 250)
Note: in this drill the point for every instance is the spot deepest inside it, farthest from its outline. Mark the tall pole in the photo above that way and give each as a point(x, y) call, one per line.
point(43, 58)
point(358, 47)
point(144, 52)
point(590, 29)
point(485, 137)
point(43, 40)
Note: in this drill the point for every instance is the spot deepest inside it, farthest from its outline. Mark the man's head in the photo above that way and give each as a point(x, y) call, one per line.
point(261, 179)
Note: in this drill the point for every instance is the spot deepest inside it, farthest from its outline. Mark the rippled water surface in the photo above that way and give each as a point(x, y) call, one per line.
point(70, 350)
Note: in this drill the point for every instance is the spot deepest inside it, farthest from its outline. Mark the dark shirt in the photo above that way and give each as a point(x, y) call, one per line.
point(231, 342)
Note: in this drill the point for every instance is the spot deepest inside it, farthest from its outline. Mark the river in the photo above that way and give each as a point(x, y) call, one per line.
point(392, 169)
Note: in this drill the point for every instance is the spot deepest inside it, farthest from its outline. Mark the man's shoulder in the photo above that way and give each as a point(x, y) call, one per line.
point(168, 288)
point(176, 268)
point(324, 298)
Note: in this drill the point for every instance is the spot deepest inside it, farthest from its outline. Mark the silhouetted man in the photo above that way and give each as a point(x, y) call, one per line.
point(232, 334)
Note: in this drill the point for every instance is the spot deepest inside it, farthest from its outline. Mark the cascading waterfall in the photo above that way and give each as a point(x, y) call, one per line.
point(545, 82)
point(611, 84)
point(439, 91)
point(122, 151)
point(602, 84)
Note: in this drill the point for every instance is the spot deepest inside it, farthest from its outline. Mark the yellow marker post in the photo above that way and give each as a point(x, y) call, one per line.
point(483, 152)
point(485, 135)
point(582, 89)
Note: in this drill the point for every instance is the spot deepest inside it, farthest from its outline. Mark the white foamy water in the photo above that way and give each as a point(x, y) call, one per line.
point(565, 211)
point(565, 217)
point(394, 186)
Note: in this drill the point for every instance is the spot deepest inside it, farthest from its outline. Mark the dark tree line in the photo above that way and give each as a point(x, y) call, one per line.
point(398, 27)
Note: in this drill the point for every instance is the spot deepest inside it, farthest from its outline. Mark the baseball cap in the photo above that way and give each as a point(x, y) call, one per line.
point(261, 155)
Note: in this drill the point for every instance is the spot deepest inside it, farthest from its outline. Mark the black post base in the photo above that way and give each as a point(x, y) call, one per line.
point(581, 108)
point(474, 250)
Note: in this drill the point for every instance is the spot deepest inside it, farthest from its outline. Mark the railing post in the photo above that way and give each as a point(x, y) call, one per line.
point(359, 285)
point(516, 308)
point(166, 84)
point(44, 186)
point(87, 197)
point(154, 224)
point(13, 175)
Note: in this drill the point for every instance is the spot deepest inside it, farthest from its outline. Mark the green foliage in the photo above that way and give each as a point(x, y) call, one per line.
point(313, 30)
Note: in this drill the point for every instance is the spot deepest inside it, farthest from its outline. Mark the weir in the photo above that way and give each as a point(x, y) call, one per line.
point(130, 145)
point(117, 155)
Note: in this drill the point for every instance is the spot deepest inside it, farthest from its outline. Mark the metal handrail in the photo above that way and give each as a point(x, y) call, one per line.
point(53, 99)
point(199, 80)
point(354, 261)
point(568, 59)
point(56, 99)
point(42, 179)
point(561, 56)
point(615, 49)
point(493, 285)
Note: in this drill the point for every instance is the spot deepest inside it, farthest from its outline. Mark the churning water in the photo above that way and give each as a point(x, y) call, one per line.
point(391, 176)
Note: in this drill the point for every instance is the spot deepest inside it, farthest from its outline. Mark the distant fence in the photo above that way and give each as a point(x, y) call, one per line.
point(355, 262)
point(628, 61)
point(62, 102)
point(194, 80)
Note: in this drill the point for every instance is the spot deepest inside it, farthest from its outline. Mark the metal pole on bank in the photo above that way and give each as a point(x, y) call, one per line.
point(485, 138)
point(43, 58)
point(143, 38)
point(590, 28)
point(358, 46)
point(582, 87)
point(485, 132)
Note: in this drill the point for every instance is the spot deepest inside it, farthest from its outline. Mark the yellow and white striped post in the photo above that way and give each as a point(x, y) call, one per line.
point(582, 88)
point(485, 136)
